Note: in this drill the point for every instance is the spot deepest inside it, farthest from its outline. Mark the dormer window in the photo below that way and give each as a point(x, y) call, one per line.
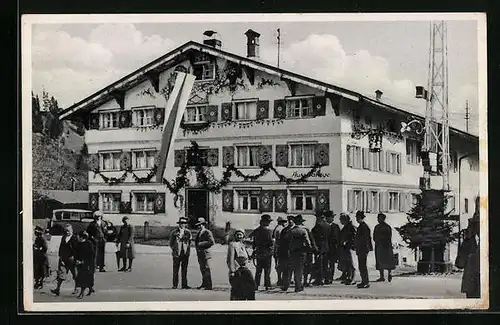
point(203, 67)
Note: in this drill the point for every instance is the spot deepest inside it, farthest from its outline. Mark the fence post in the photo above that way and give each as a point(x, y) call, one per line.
point(146, 230)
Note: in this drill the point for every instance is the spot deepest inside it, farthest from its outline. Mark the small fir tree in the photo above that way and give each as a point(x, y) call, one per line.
point(427, 229)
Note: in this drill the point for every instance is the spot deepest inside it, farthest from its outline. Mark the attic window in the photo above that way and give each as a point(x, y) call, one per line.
point(204, 71)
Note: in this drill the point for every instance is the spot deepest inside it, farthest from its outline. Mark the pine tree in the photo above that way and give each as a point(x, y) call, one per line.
point(37, 120)
point(427, 229)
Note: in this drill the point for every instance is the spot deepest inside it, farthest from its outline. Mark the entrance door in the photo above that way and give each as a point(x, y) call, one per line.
point(197, 205)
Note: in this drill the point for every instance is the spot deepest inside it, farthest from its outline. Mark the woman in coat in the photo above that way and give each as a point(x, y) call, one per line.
point(126, 240)
point(85, 264)
point(384, 256)
point(40, 260)
point(346, 244)
point(240, 277)
point(469, 259)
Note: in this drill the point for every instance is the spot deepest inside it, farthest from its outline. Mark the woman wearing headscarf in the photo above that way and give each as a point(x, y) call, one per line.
point(40, 260)
point(126, 240)
point(384, 256)
point(240, 277)
point(85, 264)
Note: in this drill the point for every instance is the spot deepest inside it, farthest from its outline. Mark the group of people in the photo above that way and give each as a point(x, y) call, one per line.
point(81, 255)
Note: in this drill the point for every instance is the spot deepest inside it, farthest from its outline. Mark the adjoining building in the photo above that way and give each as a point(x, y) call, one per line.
point(247, 114)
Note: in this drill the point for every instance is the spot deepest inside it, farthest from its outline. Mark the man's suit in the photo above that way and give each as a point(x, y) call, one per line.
point(204, 240)
point(320, 233)
point(180, 241)
point(300, 244)
point(96, 233)
point(263, 248)
point(363, 245)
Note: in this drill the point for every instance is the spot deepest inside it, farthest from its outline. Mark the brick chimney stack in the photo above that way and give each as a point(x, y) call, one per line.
point(252, 44)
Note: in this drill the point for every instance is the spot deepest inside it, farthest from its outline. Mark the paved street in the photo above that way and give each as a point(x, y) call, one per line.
point(151, 280)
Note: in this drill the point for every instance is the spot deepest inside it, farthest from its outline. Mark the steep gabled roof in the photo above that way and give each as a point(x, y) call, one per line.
point(166, 61)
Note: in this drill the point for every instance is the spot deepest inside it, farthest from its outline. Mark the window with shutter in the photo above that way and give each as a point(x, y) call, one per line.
point(227, 200)
point(319, 106)
point(388, 162)
point(227, 156)
point(383, 201)
point(125, 119)
point(159, 206)
point(322, 154)
point(402, 201)
point(266, 154)
point(281, 155)
point(94, 121)
point(349, 155)
point(262, 109)
point(213, 157)
point(212, 114)
point(323, 200)
point(280, 199)
point(266, 201)
point(94, 201)
point(366, 158)
point(226, 111)
point(381, 156)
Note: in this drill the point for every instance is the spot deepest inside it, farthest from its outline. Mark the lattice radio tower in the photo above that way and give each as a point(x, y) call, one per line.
point(436, 140)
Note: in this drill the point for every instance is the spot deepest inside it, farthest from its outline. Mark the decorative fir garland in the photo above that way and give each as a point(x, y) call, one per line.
point(266, 82)
point(111, 180)
point(199, 128)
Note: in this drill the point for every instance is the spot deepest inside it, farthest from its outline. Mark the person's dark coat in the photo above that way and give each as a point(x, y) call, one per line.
point(384, 255)
point(204, 240)
point(40, 259)
point(85, 264)
point(262, 242)
point(363, 239)
point(300, 241)
point(242, 284)
point(333, 241)
point(320, 234)
point(471, 279)
point(126, 236)
point(180, 245)
point(67, 249)
point(284, 242)
point(347, 236)
point(96, 231)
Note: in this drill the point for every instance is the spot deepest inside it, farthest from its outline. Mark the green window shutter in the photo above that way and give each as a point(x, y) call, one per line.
point(159, 205)
point(399, 164)
point(279, 109)
point(262, 109)
point(179, 157)
point(159, 115)
point(125, 207)
point(350, 200)
point(125, 119)
point(265, 154)
point(227, 200)
point(213, 157)
point(227, 156)
point(94, 201)
point(388, 163)
point(266, 201)
point(227, 111)
point(381, 165)
point(322, 154)
point(349, 155)
point(319, 106)
point(212, 113)
point(366, 158)
point(281, 155)
point(94, 121)
point(323, 200)
point(280, 199)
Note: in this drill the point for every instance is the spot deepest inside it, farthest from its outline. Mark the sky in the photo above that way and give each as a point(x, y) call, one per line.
point(74, 60)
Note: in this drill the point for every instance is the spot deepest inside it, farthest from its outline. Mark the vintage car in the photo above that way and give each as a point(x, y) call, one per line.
point(79, 220)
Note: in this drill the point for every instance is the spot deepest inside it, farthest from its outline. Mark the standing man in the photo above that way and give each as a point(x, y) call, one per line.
point(180, 241)
point(384, 255)
point(363, 247)
point(320, 233)
point(204, 240)
point(66, 263)
point(333, 244)
point(284, 253)
point(96, 231)
point(300, 244)
point(40, 259)
point(309, 262)
point(127, 246)
point(468, 259)
point(276, 237)
point(347, 236)
point(263, 251)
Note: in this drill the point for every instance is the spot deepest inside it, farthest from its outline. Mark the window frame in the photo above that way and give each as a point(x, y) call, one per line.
point(396, 202)
point(197, 114)
point(237, 156)
point(288, 103)
point(137, 109)
point(115, 195)
point(112, 153)
point(249, 195)
point(145, 151)
point(134, 200)
point(304, 196)
point(413, 157)
point(244, 101)
point(203, 65)
point(106, 112)
point(302, 165)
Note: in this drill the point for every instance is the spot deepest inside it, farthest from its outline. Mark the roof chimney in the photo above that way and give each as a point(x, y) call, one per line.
point(252, 44)
point(378, 94)
point(212, 39)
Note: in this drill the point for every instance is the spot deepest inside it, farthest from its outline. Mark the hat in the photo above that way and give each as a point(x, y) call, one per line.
point(329, 214)
point(280, 220)
point(201, 221)
point(266, 217)
point(38, 229)
point(299, 219)
point(290, 217)
point(97, 214)
point(239, 230)
point(360, 214)
point(182, 220)
point(125, 218)
point(345, 215)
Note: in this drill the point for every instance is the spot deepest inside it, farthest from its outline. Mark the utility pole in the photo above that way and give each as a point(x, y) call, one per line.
point(467, 116)
point(279, 46)
point(436, 140)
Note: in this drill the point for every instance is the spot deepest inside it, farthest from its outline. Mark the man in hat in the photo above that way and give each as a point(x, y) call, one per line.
point(263, 251)
point(347, 236)
point(180, 240)
point(300, 244)
point(284, 253)
point(204, 240)
point(40, 259)
point(320, 234)
point(66, 263)
point(281, 223)
point(363, 244)
point(333, 243)
point(96, 230)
